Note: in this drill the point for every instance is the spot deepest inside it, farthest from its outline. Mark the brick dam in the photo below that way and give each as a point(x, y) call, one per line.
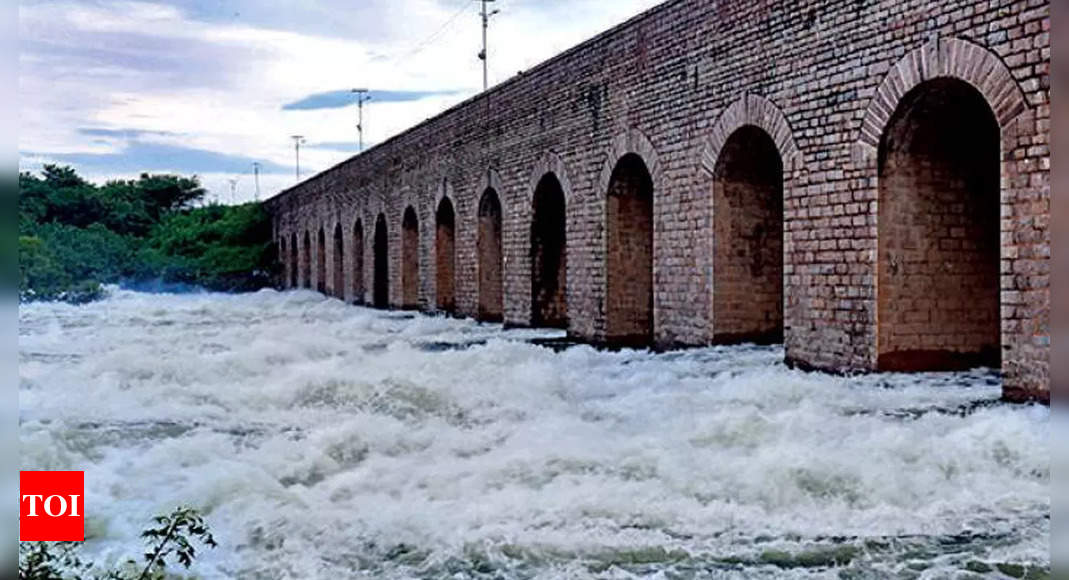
point(866, 181)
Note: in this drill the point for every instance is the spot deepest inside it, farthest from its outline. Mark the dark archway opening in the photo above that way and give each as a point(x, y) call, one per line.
point(938, 228)
point(306, 261)
point(748, 240)
point(445, 256)
point(294, 267)
point(488, 246)
point(358, 262)
point(339, 263)
point(629, 246)
point(321, 262)
point(549, 255)
point(410, 259)
point(381, 290)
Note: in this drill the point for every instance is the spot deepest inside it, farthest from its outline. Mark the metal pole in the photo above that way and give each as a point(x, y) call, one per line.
point(256, 175)
point(483, 55)
point(297, 140)
point(361, 96)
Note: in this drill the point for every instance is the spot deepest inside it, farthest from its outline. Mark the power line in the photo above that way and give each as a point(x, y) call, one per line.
point(422, 45)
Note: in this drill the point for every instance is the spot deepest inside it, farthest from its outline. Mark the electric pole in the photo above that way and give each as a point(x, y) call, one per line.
point(482, 54)
point(297, 140)
point(362, 96)
point(256, 175)
point(233, 187)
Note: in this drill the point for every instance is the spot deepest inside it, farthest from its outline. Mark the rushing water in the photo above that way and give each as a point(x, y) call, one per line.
point(328, 441)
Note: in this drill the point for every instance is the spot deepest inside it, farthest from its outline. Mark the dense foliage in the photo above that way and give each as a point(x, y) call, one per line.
point(172, 538)
point(75, 235)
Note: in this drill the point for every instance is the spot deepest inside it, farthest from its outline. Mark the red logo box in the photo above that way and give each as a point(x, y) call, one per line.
point(51, 506)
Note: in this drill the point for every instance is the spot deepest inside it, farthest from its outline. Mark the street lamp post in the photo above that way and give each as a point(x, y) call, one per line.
point(297, 140)
point(362, 96)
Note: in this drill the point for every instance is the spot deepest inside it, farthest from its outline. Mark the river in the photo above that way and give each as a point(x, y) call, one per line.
point(327, 441)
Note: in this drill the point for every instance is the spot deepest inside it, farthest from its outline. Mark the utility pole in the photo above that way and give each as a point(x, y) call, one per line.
point(256, 175)
point(482, 54)
point(297, 140)
point(233, 187)
point(362, 96)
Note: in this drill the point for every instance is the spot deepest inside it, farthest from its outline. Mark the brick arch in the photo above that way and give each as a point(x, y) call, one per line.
point(445, 254)
point(490, 256)
point(444, 242)
point(906, 195)
point(491, 178)
point(338, 260)
point(410, 253)
point(759, 112)
point(358, 234)
point(549, 162)
point(444, 190)
point(630, 181)
point(631, 141)
point(941, 57)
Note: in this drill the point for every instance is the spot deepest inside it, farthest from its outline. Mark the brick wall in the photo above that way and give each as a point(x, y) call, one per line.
point(823, 78)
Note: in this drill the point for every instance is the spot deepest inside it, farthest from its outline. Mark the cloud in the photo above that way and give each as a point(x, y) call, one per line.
point(123, 133)
point(124, 86)
point(345, 98)
point(140, 156)
point(341, 146)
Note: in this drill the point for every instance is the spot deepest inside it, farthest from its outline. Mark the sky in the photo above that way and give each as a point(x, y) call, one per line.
point(210, 87)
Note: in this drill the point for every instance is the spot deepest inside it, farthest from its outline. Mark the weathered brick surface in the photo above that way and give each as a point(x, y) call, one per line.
point(823, 78)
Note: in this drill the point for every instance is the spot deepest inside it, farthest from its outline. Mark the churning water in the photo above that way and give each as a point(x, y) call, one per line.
point(329, 441)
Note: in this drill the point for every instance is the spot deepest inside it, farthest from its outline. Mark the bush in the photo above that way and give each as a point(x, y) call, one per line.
point(172, 538)
point(75, 236)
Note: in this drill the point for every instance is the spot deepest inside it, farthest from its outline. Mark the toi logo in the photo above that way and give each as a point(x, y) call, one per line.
point(51, 506)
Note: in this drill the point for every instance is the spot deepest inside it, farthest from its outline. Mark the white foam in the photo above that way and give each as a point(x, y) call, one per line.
point(319, 437)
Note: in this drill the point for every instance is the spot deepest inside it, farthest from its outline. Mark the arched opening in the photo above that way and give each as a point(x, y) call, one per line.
point(445, 256)
point(306, 261)
point(549, 266)
point(629, 220)
point(938, 228)
point(748, 239)
point(283, 261)
point(339, 263)
point(294, 267)
point(321, 262)
point(381, 290)
point(358, 262)
point(410, 259)
point(488, 245)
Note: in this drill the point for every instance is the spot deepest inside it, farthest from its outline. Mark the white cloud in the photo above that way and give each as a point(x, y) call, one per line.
point(216, 83)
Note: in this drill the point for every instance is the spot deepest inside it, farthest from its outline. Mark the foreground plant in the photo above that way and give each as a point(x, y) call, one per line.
point(172, 538)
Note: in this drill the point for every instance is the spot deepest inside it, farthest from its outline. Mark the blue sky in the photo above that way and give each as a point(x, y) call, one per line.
point(208, 87)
